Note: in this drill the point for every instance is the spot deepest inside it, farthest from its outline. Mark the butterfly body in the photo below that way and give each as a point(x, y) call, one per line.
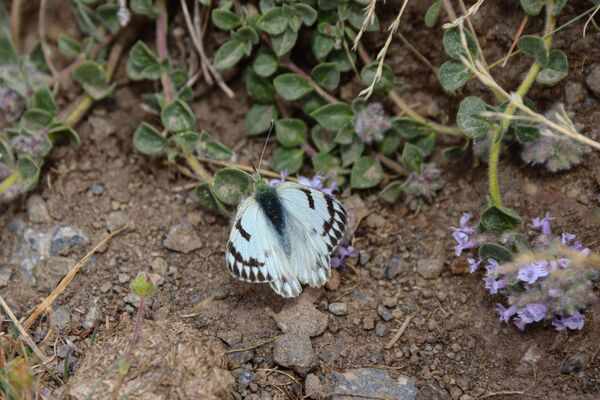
point(284, 235)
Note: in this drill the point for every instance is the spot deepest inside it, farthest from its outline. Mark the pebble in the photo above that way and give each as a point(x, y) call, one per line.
point(381, 329)
point(123, 278)
point(116, 220)
point(459, 266)
point(390, 302)
point(384, 313)
point(455, 392)
point(363, 258)
point(230, 337)
point(334, 281)
point(159, 266)
point(60, 317)
point(92, 317)
point(106, 286)
point(593, 80)
point(574, 364)
point(313, 388)
point(338, 309)
point(245, 377)
point(373, 383)
point(37, 212)
point(97, 189)
point(50, 272)
point(65, 239)
point(430, 268)
point(377, 272)
point(5, 274)
point(239, 358)
point(375, 358)
point(368, 322)
point(294, 350)
point(375, 220)
point(394, 267)
point(182, 238)
point(574, 92)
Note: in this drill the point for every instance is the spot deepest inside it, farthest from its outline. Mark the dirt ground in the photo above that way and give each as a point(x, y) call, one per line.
point(453, 347)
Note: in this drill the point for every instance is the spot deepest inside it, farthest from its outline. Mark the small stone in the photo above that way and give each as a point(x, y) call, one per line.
point(313, 388)
point(37, 212)
point(593, 80)
point(381, 329)
point(368, 322)
point(60, 317)
point(373, 383)
point(239, 358)
point(455, 392)
point(459, 266)
point(394, 267)
point(5, 274)
point(334, 281)
point(573, 365)
point(182, 238)
point(375, 358)
point(245, 377)
point(338, 309)
point(106, 286)
point(377, 272)
point(159, 266)
point(132, 299)
point(375, 220)
point(230, 337)
point(390, 302)
point(574, 93)
point(301, 316)
point(97, 189)
point(363, 258)
point(123, 278)
point(384, 313)
point(116, 220)
point(49, 272)
point(430, 268)
point(294, 350)
point(66, 239)
point(92, 317)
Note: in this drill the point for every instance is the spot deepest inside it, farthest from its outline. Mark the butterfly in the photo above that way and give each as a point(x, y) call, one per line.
point(285, 235)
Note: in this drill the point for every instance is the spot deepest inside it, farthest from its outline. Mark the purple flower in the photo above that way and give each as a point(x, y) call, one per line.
point(543, 223)
point(464, 219)
point(519, 323)
point(282, 175)
point(30, 144)
point(566, 238)
point(494, 285)
point(11, 103)
point(463, 242)
point(474, 264)
point(371, 123)
point(573, 322)
point(505, 313)
point(341, 253)
point(564, 263)
point(532, 313)
point(531, 272)
point(492, 265)
point(317, 183)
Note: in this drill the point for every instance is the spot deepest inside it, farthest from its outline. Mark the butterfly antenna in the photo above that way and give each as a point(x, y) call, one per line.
point(264, 147)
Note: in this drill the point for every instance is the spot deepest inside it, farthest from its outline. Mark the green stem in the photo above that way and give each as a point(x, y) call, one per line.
point(512, 108)
point(9, 181)
point(195, 165)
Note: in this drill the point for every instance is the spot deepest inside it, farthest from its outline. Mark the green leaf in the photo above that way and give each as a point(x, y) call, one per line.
point(284, 42)
point(327, 75)
point(453, 75)
point(144, 7)
point(142, 63)
point(527, 133)
point(323, 139)
point(426, 143)
point(412, 157)
point(265, 65)
point(391, 192)
point(366, 173)
point(306, 13)
point(340, 57)
point(218, 151)
point(356, 16)
point(68, 47)
point(230, 185)
point(345, 135)
point(29, 171)
point(225, 19)
point(63, 131)
point(259, 88)
point(469, 119)
point(455, 152)
point(494, 251)
point(37, 57)
point(498, 220)
point(385, 84)
point(292, 86)
point(206, 198)
point(8, 54)
point(289, 160)
point(35, 120)
point(259, 118)
point(333, 116)
point(178, 117)
point(433, 13)
point(558, 7)
point(322, 162)
point(322, 45)
point(43, 99)
point(148, 140)
point(83, 16)
point(532, 7)
point(188, 140)
point(453, 43)
point(247, 35)
point(311, 102)
point(290, 132)
point(409, 128)
point(328, 4)
point(273, 21)
point(90, 73)
point(534, 46)
point(292, 17)
point(556, 69)
point(389, 144)
point(6, 154)
point(352, 152)
point(107, 14)
point(229, 54)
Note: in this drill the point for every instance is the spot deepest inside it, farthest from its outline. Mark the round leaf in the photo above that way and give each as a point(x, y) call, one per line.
point(273, 21)
point(333, 116)
point(453, 75)
point(495, 251)
point(469, 120)
point(323, 138)
point(391, 192)
point(327, 75)
point(453, 45)
point(284, 42)
point(142, 63)
point(178, 117)
point(412, 157)
point(366, 173)
point(259, 118)
point(433, 13)
point(29, 171)
point(148, 140)
point(229, 54)
point(206, 198)
point(498, 220)
point(230, 185)
point(290, 132)
point(289, 160)
point(306, 12)
point(534, 46)
point(556, 69)
point(322, 162)
point(292, 86)
point(265, 65)
point(259, 88)
point(225, 19)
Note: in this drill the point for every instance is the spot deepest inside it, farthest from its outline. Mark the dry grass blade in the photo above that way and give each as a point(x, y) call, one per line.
point(254, 346)
point(400, 332)
point(43, 306)
point(590, 19)
point(457, 21)
point(369, 18)
point(23, 332)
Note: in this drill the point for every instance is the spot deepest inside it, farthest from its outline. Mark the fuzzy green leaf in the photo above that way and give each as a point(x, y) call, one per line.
point(292, 86)
point(453, 75)
point(556, 70)
point(322, 163)
point(107, 14)
point(391, 192)
point(494, 251)
point(206, 198)
point(43, 99)
point(178, 117)
point(498, 220)
point(142, 63)
point(289, 160)
point(323, 138)
point(29, 170)
point(352, 152)
point(147, 140)
point(225, 19)
point(35, 120)
point(68, 47)
point(306, 13)
point(229, 54)
point(62, 131)
point(453, 45)
point(532, 7)
point(290, 132)
point(322, 45)
point(409, 128)
point(534, 46)
point(218, 151)
point(469, 119)
point(265, 65)
point(284, 42)
point(259, 118)
point(333, 116)
point(259, 88)
point(412, 157)
point(384, 85)
point(327, 75)
point(366, 173)
point(230, 185)
point(144, 7)
point(433, 13)
point(273, 21)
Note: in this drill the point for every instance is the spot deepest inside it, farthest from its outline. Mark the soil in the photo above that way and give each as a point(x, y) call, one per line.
point(454, 345)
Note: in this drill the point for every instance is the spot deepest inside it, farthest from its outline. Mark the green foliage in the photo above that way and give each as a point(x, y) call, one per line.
point(497, 220)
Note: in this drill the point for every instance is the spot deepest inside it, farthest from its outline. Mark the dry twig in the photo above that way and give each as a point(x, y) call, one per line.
point(400, 332)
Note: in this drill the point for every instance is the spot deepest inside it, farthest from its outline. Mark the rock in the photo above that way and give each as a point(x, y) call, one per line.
point(106, 286)
point(66, 239)
point(334, 281)
point(244, 377)
point(230, 337)
point(116, 220)
point(375, 220)
point(573, 365)
point(363, 258)
point(370, 383)
point(37, 212)
point(48, 273)
point(239, 358)
point(97, 189)
point(377, 272)
point(60, 317)
point(301, 316)
point(574, 93)
point(338, 309)
point(384, 313)
point(159, 266)
point(390, 302)
point(394, 267)
point(459, 266)
point(182, 238)
point(92, 317)
point(122, 277)
point(381, 329)
point(294, 350)
point(455, 392)
point(593, 80)
point(430, 268)
point(368, 322)
point(5, 274)
point(313, 388)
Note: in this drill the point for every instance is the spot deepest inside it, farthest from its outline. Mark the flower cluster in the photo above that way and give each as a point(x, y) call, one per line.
point(553, 281)
point(316, 182)
point(422, 185)
point(33, 145)
point(371, 123)
point(341, 253)
point(467, 238)
point(11, 103)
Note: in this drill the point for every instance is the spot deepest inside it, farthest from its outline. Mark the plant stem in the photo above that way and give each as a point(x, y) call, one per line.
point(10, 180)
point(510, 110)
point(161, 47)
point(195, 165)
point(294, 68)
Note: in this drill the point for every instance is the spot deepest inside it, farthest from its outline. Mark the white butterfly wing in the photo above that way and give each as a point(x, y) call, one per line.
point(315, 223)
point(254, 253)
